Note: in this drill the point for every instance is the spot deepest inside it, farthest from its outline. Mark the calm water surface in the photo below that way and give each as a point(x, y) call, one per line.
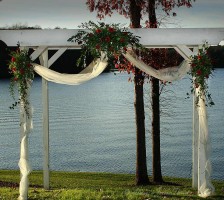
point(92, 127)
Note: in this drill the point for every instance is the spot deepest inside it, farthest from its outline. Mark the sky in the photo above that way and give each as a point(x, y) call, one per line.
point(71, 13)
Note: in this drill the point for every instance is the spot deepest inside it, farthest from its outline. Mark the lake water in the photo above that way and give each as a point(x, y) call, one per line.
point(92, 127)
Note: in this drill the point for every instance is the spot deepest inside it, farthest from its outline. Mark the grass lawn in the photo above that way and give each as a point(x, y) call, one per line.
point(98, 186)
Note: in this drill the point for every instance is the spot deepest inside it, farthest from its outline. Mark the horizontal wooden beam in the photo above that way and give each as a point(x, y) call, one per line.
point(149, 37)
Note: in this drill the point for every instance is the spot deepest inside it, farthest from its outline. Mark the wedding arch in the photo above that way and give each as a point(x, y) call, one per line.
point(185, 41)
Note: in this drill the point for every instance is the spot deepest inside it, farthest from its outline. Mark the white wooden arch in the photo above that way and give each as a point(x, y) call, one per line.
point(182, 40)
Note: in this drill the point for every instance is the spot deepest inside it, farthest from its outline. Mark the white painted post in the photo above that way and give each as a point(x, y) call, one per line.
point(202, 145)
point(45, 101)
point(195, 145)
point(195, 139)
point(24, 166)
point(24, 157)
point(205, 186)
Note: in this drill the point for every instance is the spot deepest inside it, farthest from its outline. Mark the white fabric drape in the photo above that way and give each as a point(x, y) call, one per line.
point(93, 70)
point(26, 126)
point(167, 74)
point(205, 187)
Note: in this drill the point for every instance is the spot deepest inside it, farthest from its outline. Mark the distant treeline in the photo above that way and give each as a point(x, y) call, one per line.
point(20, 26)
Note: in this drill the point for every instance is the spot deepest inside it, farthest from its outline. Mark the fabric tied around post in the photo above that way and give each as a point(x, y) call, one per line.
point(205, 187)
point(26, 125)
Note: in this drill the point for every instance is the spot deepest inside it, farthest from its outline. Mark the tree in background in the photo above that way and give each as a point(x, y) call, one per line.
point(133, 10)
point(167, 6)
point(20, 26)
point(135, 13)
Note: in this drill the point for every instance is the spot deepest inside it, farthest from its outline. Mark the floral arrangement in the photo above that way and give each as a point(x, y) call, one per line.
point(110, 39)
point(22, 75)
point(201, 70)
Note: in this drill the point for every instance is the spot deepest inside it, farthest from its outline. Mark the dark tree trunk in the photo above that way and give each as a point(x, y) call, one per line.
point(141, 164)
point(156, 158)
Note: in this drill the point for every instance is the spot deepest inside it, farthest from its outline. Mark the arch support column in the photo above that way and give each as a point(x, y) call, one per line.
point(45, 102)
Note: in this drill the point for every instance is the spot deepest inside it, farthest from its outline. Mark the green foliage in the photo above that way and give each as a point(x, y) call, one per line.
point(201, 70)
point(22, 75)
point(102, 37)
point(100, 186)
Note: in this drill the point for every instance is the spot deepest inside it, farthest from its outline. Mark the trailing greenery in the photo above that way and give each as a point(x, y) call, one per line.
point(22, 76)
point(201, 70)
point(99, 186)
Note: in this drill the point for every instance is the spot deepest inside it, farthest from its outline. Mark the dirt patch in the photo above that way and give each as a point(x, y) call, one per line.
point(8, 184)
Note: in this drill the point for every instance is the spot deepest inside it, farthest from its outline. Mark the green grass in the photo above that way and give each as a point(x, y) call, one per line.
point(98, 186)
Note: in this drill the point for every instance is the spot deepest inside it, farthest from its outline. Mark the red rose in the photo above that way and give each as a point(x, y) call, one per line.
point(122, 40)
point(111, 30)
point(97, 46)
point(22, 71)
point(116, 66)
point(125, 49)
point(111, 48)
point(29, 65)
point(13, 59)
point(199, 57)
point(98, 31)
point(107, 39)
point(196, 85)
point(199, 72)
point(193, 64)
point(15, 79)
point(13, 69)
